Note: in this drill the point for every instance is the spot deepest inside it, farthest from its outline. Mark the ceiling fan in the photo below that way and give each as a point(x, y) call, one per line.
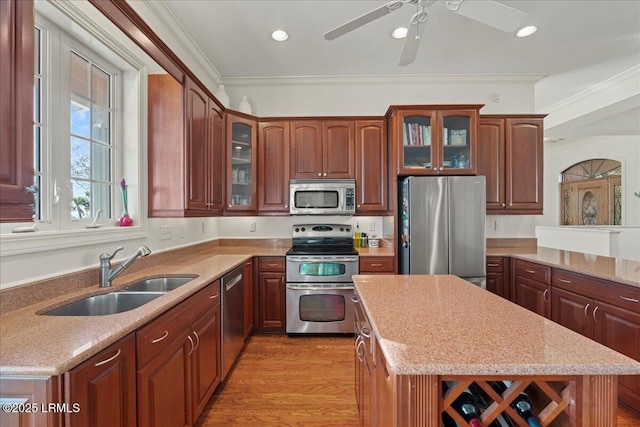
point(492, 13)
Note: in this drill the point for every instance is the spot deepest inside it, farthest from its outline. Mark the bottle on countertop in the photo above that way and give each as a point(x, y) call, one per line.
point(357, 237)
point(364, 240)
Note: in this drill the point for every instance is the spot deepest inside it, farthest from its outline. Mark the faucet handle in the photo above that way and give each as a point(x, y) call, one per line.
point(107, 257)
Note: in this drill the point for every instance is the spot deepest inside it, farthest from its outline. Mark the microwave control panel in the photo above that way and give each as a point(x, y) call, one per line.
point(350, 199)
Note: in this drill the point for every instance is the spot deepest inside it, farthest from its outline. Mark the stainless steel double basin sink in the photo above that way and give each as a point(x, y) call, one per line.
point(132, 296)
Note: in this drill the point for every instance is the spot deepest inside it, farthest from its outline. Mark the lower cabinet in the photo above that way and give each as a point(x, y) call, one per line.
point(532, 287)
point(498, 276)
point(271, 313)
point(179, 361)
point(104, 388)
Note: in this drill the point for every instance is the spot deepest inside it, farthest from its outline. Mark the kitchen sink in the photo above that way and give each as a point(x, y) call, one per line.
point(158, 284)
point(100, 305)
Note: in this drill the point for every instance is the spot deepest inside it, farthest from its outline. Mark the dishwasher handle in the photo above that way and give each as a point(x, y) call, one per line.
point(233, 282)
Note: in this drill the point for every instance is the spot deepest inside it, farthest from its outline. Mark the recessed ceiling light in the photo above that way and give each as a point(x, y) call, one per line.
point(279, 35)
point(526, 31)
point(399, 33)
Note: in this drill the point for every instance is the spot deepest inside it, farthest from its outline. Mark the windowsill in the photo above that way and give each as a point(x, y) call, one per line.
point(41, 240)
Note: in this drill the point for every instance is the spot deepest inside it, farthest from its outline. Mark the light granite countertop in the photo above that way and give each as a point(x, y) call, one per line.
point(443, 325)
point(614, 269)
point(33, 344)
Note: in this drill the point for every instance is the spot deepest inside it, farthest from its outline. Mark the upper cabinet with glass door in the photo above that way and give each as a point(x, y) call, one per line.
point(241, 163)
point(435, 139)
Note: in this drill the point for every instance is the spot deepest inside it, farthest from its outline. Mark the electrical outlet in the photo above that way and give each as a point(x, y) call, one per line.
point(181, 231)
point(252, 226)
point(498, 225)
point(166, 232)
point(204, 227)
point(372, 226)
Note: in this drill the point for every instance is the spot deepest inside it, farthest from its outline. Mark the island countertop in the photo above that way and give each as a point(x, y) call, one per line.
point(443, 325)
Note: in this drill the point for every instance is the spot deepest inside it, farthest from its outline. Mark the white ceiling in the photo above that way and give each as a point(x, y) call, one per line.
point(234, 36)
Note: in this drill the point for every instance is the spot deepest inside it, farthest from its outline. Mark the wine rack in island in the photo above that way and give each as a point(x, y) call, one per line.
point(435, 139)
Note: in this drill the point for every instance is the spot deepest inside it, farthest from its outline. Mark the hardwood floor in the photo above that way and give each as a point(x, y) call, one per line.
point(297, 381)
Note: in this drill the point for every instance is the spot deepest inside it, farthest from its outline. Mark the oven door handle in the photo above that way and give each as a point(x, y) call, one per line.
point(319, 288)
point(324, 259)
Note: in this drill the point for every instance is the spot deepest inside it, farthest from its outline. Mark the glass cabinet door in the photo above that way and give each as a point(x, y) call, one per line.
point(456, 141)
point(418, 138)
point(241, 160)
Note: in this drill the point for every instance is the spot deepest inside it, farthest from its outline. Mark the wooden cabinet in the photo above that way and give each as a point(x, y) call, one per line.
point(322, 149)
point(186, 171)
point(435, 139)
point(372, 193)
point(273, 167)
point(16, 110)
point(104, 387)
point(179, 361)
point(248, 297)
point(364, 366)
point(271, 297)
point(510, 150)
point(241, 164)
point(498, 276)
point(377, 264)
point(604, 311)
point(532, 287)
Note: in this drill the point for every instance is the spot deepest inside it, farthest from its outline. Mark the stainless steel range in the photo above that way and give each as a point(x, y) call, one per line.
point(319, 283)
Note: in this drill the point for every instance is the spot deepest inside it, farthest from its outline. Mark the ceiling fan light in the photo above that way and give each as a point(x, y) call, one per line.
point(279, 35)
point(399, 33)
point(526, 31)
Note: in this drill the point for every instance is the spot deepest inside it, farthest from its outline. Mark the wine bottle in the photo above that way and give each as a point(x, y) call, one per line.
point(480, 396)
point(521, 404)
point(466, 406)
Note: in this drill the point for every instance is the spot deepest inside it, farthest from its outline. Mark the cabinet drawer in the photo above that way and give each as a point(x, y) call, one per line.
point(376, 264)
point(533, 271)
point(495, 264)
point(165, 329)
point(614, 293)
point(271, 264)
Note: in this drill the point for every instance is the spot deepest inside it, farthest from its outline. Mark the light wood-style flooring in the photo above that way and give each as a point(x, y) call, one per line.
point(297, 381)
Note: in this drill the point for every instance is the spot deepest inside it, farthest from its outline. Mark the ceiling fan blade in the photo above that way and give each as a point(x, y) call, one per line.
point(494, 14)
point(412, 43)
point(364, 19)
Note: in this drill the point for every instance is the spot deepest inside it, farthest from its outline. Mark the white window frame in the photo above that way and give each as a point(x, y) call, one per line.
point(54, 232)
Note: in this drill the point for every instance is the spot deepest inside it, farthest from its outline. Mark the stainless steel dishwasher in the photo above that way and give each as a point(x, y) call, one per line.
point(232, 318)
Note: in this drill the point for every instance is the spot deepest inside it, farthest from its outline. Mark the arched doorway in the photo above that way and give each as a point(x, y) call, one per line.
point(591, 193)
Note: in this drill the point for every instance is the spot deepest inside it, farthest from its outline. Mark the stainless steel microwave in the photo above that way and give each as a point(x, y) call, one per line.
point(322, 197)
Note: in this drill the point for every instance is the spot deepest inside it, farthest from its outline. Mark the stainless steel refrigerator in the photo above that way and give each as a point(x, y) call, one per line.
point(442, 226)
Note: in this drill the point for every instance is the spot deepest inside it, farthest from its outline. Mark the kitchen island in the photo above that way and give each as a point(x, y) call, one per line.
point(416, 331)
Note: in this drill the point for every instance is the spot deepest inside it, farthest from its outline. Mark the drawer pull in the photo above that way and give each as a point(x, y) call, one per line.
point(355, 299)
point(214, 296)
point(377, 264)
point(157, 340)
point(272, 264)
point(365, 332)
point(595, 310)
point(564, 281)
point(586, 307)
point(546, 292)
point(493, 265)
point(628, 299)
point(109, 359)
point(531, 271)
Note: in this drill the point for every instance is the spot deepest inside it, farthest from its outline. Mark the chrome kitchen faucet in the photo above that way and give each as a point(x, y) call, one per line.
point(107, 275)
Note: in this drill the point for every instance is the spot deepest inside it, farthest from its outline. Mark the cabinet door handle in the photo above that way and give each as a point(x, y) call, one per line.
point(229, 205)
point(531, 271)
point(365, 332)
point(595, 310)
point(197, 340)
point(359, 342)
point(109, 359)
point(628, 299)
point(319, 174)
point(286, 206)
point(441, 168)
point(192, 345)
point(546, 292)
point(586, 307)
point(166, 334)
point(355, 299)
point(504, 205)
point(564, 281)
point(324, 174)
point(214, 296)
point(493, 265)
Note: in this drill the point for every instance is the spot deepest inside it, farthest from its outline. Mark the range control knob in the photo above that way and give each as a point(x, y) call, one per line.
point(304, 229)
point(348, 230)
point(341, 228)
point(297, 230)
